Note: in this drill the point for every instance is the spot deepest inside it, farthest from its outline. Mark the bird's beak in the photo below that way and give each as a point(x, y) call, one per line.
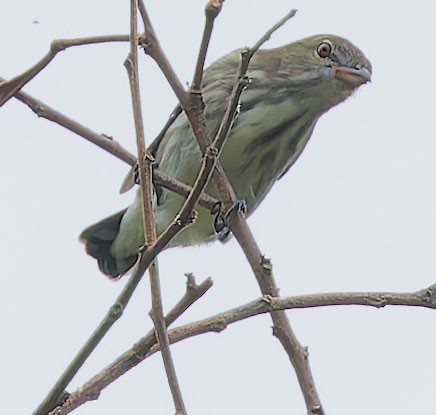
point(353, 77)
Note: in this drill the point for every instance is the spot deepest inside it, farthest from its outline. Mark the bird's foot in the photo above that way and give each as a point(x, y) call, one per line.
point(136, 173)
point(221, 217)
point(142, 249)
point(136, 177)
point(157, 189)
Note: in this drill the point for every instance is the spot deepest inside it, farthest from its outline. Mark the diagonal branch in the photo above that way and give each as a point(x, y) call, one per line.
point(192, 294)
point(9, 88)
point(111, 146)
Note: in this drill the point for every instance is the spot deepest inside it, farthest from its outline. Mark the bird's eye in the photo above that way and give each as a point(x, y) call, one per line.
point(324, 49)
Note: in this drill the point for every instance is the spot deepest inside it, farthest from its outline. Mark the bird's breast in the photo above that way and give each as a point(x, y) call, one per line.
point(266, 139)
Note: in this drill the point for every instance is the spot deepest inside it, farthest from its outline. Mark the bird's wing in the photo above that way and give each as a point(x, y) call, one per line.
point(130, 179)
point(297, 153)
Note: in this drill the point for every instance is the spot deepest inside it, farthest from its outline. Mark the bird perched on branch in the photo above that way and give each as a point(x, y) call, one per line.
point(290, 88)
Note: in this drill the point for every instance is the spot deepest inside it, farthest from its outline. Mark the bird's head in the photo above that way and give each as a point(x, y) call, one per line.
point(322, 69)
point(329, 56)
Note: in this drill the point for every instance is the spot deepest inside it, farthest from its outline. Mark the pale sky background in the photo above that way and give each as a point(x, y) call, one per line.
point(357, 212)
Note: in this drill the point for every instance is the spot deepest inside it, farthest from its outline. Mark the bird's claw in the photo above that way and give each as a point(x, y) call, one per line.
point(142, 249)
point(192, 217)
point(158, 189)
point(136, 176)
point(240, 205)
point(221, 216)
point(136, 173)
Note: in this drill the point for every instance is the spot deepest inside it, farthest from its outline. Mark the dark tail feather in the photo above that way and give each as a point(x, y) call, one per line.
point(98, 239)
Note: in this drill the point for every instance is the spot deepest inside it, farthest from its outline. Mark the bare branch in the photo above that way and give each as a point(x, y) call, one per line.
point(152, 47)
point(212, 9)
point(9, 88)
point(273, 29)
point(145, 161)
point(91, 390)
point(111, 146)
point(146, 346)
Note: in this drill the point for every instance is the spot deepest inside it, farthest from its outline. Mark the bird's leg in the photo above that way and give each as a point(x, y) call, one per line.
point(192, 218)
point(154, 164)
point(240, 205)
point(218, 222)
point(158, 190)
point(222, 216)
point(136, 173)
point(142, 249)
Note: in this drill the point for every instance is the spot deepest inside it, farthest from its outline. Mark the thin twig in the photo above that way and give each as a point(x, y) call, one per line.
point(262, 268)
point(114, 313)
point(425, 298)
point(146, 188)
point(212, 9)
point(192, 294)
point(146, 346)
point(273, 29)
point(151, 45)
point(144, 159)
point(9, 88)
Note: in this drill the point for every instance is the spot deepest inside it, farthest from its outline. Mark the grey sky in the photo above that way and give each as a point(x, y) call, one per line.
point(357, 212)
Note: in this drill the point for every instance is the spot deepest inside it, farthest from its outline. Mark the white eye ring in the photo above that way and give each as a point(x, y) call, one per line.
point(324, 50)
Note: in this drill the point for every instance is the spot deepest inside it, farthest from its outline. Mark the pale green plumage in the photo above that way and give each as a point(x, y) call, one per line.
point(290, 88)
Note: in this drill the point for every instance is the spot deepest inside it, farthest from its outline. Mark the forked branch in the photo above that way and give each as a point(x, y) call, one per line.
point(147, 346)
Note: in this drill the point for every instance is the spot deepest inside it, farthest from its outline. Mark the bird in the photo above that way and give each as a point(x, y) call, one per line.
point(290, 87)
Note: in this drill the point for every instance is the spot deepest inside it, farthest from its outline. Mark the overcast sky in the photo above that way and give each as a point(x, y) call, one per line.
point(357, 212)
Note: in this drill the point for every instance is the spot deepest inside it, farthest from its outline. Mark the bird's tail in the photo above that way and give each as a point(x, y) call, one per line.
point(98, 239)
